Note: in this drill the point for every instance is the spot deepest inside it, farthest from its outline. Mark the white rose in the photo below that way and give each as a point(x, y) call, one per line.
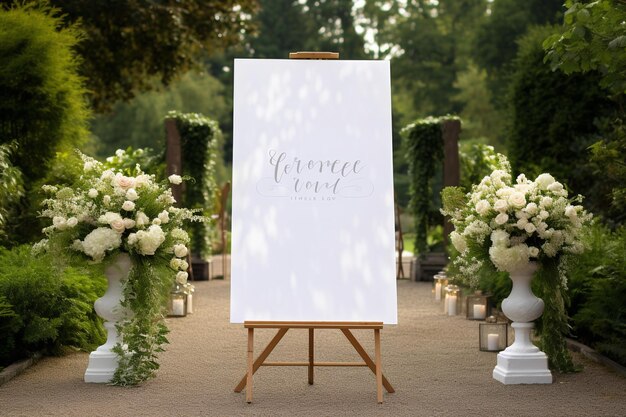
point(521, 223)
point(59, 222)
point(93, 193)
point(555, 187)
point(546, 202)
point(184, 265)
point(570, 211)
point(156, 221)
point(131, 194)
point(530, 228)
point(531, 208)
point(180, 250)
point(517, 199)
point(483, 207)
point(543, 214)
point(128, 205)
point(71, 222)
point(533, 251)
point(106, 200)
point(118, 225)
point(458, 241)
point(501, 205)
point(175, 264)
point(141, 219)
point(502, 218)
point(124, 182)
point(129, 223)
point(175, 179)
point(544, 181)
point(164, 217)
point(181, 277)
point(132, 239)
point(142, 180)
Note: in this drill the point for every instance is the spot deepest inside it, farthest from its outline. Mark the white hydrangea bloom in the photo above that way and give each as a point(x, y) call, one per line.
point(99, 241)
point(148, 241)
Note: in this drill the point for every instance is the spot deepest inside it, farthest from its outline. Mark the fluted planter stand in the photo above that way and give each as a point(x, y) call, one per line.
point(102, 361)
point(522, 362)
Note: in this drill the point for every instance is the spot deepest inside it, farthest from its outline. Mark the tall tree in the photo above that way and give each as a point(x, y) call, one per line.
point(127, 43)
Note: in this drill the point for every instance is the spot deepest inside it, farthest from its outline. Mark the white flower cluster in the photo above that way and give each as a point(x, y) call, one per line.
point(525, 220)
point(109, 211)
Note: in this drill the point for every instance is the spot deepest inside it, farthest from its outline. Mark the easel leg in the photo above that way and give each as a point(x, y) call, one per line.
point(311, 355)
point(379, 369)
point(257, 363)
point(366, 358)
point(250, 365)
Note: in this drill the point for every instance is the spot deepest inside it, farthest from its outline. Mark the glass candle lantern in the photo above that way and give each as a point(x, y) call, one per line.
point(439, 285)
point(452, 302)
point(493, 335)
point(477, 306)
point(178, 302)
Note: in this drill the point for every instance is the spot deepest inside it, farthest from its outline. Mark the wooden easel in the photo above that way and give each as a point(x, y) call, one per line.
point(283, 326)
point(345, 327)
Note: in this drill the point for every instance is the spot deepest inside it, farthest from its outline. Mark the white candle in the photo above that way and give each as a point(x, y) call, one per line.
point(445, 304)
point(492, 341)
point(438, 291)
point(178, 307)
point(189, 303)
point(452, 305)
point(480, 311)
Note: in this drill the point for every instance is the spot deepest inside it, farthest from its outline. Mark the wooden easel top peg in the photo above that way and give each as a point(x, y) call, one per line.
point(313, 55)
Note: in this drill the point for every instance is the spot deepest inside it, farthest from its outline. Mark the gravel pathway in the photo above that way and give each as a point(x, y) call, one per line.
point(431, 360)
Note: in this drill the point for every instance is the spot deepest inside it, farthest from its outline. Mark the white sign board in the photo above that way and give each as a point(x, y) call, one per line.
point(313, 223)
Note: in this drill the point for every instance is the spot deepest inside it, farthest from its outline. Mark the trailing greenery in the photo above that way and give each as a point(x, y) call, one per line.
point(43, 308)
point(554, 119)
point(424, 153)
point(201, 139)
point(554, 325)
point(146, 292)
point(42, 105)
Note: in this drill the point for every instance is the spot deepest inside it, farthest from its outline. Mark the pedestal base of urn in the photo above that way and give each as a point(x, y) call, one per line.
point(101, 368)
point(522, 368)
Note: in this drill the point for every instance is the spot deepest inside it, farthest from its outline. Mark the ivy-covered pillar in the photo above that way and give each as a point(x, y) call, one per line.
point(192, 146)
point(429, 144)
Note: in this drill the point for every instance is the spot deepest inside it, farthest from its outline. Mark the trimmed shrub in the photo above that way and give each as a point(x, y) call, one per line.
point(43, 308)
point(42, 104)
point(597, 287)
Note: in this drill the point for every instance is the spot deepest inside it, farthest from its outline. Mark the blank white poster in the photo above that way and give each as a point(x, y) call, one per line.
point(313, 209)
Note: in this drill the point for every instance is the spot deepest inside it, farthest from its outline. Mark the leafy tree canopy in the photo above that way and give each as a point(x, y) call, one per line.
point(593, 38)
point(127, 43)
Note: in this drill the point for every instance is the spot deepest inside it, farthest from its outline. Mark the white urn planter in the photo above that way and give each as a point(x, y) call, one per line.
point(522, 362)
point(102, 361)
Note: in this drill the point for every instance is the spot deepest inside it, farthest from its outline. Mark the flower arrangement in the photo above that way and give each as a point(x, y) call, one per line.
point(501, 226)
point(105, 213)
point(506, 225)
